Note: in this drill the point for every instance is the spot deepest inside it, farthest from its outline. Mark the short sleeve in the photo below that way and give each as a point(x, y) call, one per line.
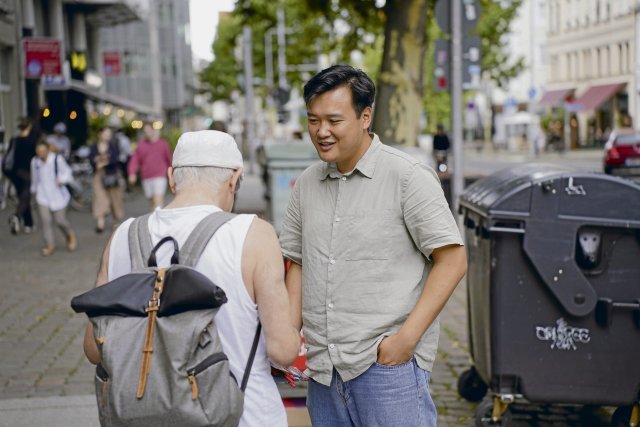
point(291, 233)
point(426, 212)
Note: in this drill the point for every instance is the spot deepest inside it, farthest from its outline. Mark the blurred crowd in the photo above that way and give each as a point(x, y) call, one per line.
point(41, 172)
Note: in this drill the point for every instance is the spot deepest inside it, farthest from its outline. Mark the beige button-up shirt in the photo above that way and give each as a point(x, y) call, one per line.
point(363, 240)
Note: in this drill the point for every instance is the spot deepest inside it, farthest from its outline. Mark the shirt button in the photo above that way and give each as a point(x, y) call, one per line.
point(337, 219)
point(330, 305)
point(331, 346)
point(332, 261)
point(344, 178)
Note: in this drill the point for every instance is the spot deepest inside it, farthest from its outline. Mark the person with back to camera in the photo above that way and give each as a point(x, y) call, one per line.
point(376, 254)
point(49, 174)
point(152, 157)
point(243, 258)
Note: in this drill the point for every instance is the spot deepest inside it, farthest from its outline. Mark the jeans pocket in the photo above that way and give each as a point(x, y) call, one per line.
point(400, 366)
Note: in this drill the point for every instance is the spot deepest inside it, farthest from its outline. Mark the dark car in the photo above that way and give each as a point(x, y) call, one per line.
point(622, 155)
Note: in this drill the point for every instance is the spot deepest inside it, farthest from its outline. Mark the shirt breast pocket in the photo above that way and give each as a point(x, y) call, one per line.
point(370, 235)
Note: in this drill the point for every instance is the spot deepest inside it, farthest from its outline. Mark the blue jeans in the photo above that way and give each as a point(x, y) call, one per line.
point(382, 396)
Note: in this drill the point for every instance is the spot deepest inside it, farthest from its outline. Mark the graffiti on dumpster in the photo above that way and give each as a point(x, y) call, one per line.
point(563, 336)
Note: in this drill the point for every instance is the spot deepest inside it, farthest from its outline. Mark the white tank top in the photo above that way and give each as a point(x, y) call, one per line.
point(237, 319)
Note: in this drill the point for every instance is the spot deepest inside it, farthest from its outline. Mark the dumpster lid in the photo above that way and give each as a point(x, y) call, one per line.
point(290, 151)
point(490, 191)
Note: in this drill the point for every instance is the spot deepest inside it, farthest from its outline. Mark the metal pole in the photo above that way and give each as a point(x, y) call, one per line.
point(268, 57)
point(248, 94)
point(282, 43)
point(457, 178)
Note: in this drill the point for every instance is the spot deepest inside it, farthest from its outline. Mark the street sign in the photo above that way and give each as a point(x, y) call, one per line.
point(42, 57)
point(52, 82)
point(471, 69)
point(111, 62)
point(471, 63)
point(441, 73)
point(470, 15)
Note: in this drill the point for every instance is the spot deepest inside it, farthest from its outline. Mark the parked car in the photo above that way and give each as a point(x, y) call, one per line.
point(622, 155)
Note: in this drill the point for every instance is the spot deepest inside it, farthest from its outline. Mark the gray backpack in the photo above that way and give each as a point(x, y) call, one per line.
point(162, 360)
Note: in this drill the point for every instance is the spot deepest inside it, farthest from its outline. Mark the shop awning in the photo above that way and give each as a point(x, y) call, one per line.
point(596, 95)
point(554, 98)
point(95, 94)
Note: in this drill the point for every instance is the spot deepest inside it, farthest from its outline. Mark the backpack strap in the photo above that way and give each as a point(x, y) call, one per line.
point(200, 236)
point(252, 355)
point(190, 254)
point(139, 242)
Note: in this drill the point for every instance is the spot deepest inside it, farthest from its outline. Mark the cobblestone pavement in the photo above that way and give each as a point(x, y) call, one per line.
point(41, 337)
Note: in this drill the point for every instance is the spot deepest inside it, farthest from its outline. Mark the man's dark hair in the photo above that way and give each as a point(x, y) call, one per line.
point(363, 91)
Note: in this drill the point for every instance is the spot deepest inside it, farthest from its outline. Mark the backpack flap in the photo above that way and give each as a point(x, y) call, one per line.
point(125, 296)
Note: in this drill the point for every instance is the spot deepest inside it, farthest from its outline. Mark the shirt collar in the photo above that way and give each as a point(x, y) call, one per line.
point(366, 165)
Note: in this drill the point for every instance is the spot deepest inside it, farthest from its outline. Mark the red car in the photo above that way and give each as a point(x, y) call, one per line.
point(622, 155)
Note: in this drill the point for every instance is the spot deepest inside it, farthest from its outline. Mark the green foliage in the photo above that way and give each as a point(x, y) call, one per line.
point(340, 27)
point(95, 124)
point(220, 77)
point(171, 135)
point(493, 28)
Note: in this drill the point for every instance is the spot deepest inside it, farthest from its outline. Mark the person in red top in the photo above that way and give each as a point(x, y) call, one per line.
point(152, 157)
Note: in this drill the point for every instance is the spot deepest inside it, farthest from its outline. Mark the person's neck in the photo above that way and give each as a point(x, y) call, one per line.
point(187, 199)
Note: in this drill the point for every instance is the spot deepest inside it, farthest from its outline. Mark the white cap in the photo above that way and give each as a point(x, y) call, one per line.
point(207, 148)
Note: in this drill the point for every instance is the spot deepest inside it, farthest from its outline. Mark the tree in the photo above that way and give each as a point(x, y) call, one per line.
point(343, 26)
point(400, 82)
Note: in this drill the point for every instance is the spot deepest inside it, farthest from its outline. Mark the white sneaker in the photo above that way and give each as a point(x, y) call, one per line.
point(28, 230)
point(14, 224)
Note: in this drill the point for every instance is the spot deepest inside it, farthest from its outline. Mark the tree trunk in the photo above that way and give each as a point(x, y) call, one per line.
point(398, 106)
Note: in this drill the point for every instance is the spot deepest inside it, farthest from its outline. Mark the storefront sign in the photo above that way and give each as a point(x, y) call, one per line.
point(42, 57)
point(111, 63)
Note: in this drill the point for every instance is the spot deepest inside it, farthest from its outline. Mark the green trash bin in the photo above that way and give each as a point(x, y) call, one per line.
point(284, 162)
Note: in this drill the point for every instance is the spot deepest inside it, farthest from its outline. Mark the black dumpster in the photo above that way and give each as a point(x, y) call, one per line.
point(553, 290)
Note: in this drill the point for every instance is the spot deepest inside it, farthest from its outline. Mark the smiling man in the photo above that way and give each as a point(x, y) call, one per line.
point(376, 254)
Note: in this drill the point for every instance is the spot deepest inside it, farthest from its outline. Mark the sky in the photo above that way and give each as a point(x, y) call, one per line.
point(204, 19)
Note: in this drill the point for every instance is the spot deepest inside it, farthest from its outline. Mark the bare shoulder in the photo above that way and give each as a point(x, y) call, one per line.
point(261, 232)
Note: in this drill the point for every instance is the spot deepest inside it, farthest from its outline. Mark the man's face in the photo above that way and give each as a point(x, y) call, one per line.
point(149, 133)
point(42, 151)
point(338, 135)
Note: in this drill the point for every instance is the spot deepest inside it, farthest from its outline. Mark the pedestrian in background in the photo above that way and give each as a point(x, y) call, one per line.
point(376, 254)
point(152, 157)
point(59, 141)
point(124, 146)
point(24, 149)
point(49, 174)
point(107, 192)
point(243, 258)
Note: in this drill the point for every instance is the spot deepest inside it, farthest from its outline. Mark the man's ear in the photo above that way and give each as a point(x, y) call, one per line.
point(366, 118)
point(234, 182)
point(172, 181)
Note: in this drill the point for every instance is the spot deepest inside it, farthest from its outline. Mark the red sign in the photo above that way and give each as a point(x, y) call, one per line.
point(42, 57)
point(111, 63)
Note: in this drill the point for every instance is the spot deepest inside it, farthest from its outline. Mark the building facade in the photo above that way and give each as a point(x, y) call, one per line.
point(591, 68)
point(49, 67)
point(156, 63)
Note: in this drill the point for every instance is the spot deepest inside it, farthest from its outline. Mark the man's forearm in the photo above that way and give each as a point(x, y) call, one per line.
point(294, 289)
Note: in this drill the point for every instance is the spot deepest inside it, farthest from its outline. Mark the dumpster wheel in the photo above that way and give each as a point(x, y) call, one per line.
point(470, 386)
point(493, 412)
point(626, 416)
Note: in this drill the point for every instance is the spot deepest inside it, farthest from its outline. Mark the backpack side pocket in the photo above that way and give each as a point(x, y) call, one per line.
point(215, 387)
